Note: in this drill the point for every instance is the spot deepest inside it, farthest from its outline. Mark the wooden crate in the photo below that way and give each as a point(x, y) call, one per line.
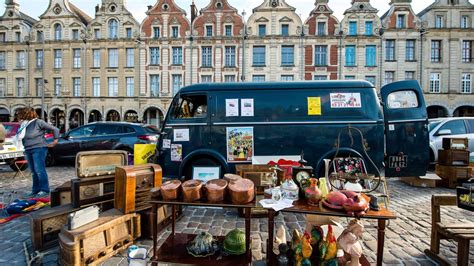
point(449, 142)
point(95, 242)
point(453, 157)
point(453, 174)
point(416, 181)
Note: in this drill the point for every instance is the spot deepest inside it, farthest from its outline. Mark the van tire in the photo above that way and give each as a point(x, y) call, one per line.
point(201, 161)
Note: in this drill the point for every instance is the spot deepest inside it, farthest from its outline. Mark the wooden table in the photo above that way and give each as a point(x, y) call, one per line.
point(301, 206)
point(174, 249)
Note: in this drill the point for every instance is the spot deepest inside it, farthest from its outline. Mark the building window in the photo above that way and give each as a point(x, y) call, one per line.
point(465, 22)
point(466, 86)
point(262, 30)
point(389, 77)
point(75, 35)
point(230, 56)
point(130, 83)
point(39, 86)
point(58, 32)
point(177, 55)
point(435, 83)
point(113, 58)
point(58, 58)
point(370, 55)
point(155, 56)
point(39, 58)
point(258, 56)
point(287, 55)
point(353, 28)
point(439, 21)
point(20, 60)
point(206, 78)
point(2, 87)
point(371, 79)
point(96, 87)
point(436, 51)
point(96, 34)
point(96, 58)
point(2, 60)
point(228, 30)
point(320, 77)
point(58, 84)
point(209, 31)
point(175, 31)
point(156, 32)
point(130, 52)
point(229, 78)
point(369, 28)
point(287, 78)
point(258, 78)
point(401, 21)
point(467, 51)
point(18, 36)
point(390, 50)
point(154, 85)
point(76, 62)
point(409, 75)
point(350, 55)
point(206, 56)
point(20, 87)
point(321, 29)
point(320, 55)
point(285, 30)
point(113, 87)
point(76, 87)
point(3, 37)
point(410, 50)
point(177, 83)
point(129, 33)
point(113, 29)
point(39, 36)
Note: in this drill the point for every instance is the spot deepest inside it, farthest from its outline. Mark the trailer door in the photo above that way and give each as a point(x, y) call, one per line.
point(406, 129)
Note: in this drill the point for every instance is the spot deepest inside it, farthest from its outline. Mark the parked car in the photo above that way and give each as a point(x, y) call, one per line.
point(453, 127)
point(9, 153)
point(101, 136)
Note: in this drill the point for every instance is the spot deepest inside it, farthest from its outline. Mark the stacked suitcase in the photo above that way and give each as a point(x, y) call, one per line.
point(453, 162)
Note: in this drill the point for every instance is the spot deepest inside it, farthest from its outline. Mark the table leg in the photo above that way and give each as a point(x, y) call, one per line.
point(173, 219)
point(380, 240)
point(247, 233)
point(154, 220)
point(271, 226)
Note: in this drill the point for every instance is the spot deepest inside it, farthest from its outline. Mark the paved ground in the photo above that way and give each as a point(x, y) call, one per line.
point(406, 237)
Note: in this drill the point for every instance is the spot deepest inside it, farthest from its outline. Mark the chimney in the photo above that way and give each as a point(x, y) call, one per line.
point(96, 8)
point(194, 12)
point(149, 8)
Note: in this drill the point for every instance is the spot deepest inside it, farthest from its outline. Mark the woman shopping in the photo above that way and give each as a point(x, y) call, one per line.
point(31, 135)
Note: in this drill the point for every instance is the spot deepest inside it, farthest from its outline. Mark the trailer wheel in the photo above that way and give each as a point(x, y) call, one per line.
point(201, 161)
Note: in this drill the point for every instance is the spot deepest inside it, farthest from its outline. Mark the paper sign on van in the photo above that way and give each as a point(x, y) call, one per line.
point(231, 107)
point(345, 100)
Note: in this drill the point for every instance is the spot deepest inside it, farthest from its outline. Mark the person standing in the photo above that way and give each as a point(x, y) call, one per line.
point(32, 133)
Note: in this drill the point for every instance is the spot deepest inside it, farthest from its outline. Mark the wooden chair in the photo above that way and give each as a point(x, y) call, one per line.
point(461, 233)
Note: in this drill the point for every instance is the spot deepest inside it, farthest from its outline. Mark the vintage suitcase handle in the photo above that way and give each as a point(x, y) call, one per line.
point(126, 241)
point(90, 260)
point(103, 253)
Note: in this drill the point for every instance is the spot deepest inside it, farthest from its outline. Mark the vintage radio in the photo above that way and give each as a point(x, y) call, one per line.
point(94, 243)
point(61, 195)
point(91, 191)
point(453, 157)
point(133, 185)
point(93, 164)
point(455, 143)
point(46, 224)
point(163, 219)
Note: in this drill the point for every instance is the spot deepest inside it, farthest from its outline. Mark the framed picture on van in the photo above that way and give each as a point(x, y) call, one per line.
point(205, 173)
point(240, 146)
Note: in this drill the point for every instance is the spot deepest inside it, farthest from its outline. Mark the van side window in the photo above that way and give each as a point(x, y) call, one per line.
point(402, 100)
point(457, 127)
point(191, 106)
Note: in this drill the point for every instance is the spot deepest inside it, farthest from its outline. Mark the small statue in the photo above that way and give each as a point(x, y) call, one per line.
point(280, 238)
point(296, 247)
point(349, 241)
point(306, 249)
point(282, 258)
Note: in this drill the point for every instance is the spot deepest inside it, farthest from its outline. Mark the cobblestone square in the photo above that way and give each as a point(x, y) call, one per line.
point(406, 237)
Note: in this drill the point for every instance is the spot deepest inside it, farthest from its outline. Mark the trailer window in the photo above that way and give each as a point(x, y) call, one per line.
point(402, 100)
point(189, 107)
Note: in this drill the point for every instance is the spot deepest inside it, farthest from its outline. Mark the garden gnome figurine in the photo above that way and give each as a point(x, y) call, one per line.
point(349, 241)
point(280, 238)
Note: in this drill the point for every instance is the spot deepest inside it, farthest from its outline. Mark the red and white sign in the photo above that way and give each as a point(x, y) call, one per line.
point(346, 100)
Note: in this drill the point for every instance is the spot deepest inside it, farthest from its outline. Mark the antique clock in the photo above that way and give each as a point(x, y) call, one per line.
point(302, 173)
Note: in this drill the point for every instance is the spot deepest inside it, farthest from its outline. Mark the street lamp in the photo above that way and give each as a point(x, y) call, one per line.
point(85, 35)
point(341, 34)
point(379, 32)
point(43, 81)
point(244, 37)
point(300, 30)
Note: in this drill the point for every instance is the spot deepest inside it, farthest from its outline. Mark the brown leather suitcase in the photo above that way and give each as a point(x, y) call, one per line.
point(95, 242)
point(133, 185)
point(92, 164)
point(61, 195)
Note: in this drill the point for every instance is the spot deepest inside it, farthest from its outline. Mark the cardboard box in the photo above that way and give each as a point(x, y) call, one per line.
point(428, 181)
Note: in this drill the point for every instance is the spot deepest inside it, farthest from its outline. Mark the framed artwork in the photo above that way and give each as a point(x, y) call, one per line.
point(240, 148)
point(206, 173)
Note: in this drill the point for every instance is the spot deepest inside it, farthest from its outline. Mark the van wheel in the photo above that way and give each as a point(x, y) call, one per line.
point(203, 161)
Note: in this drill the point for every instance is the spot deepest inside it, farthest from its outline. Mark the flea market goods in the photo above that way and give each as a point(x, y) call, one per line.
point(93, 243)
point(352, 202)
point(163, 219)
point(312, 193)
point(88, 191)
point(215, 190)
point(230, 178)
point(455, 143)
point(453, 157)
point(170, 189)
point(61, 195)
point(133, 185)
point(289, 189)
point(234, 242)
point(203, 245)
point(242, 191)
point(99, 163)
point(192, 190)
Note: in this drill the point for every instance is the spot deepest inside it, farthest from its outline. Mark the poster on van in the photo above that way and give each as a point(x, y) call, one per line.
point(239, 144)
point(346, 100)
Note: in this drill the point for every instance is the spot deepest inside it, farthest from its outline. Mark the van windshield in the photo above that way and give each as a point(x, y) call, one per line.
point(190, 106)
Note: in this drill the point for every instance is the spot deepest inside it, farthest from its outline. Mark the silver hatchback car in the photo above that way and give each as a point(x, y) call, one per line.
point(453, 127)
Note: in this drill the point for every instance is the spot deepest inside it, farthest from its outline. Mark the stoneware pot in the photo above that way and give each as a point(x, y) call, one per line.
point(192, 190)
point(215, 190)
point(242, 191)
point(170, 189)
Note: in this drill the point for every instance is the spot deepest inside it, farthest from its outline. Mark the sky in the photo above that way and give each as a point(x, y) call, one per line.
point(35, 8)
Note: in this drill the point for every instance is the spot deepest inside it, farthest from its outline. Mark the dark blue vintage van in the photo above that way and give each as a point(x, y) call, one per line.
point(228, 124)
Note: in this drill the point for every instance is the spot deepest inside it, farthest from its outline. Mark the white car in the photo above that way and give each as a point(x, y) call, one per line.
point(453, 127)
point(9, 153)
